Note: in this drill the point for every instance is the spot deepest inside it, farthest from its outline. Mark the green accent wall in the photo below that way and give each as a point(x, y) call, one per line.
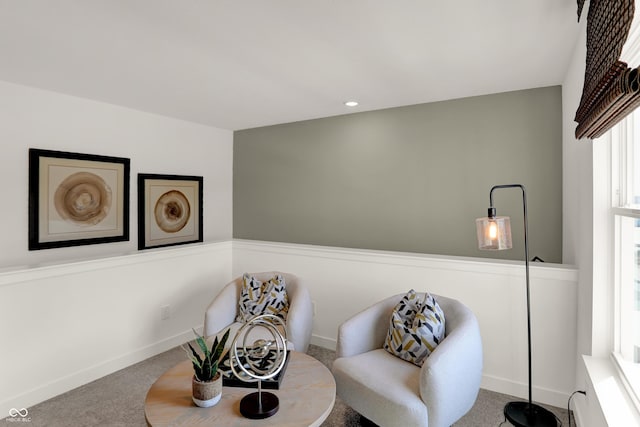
point(410, 179)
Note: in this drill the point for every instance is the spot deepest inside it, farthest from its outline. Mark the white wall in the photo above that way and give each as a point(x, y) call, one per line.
point(576, 163)
point(68, 324)
point(578, 194)
point(72, 315)
point(577, 226)
point(345, 281)
point(586, 217)
point(34, 118)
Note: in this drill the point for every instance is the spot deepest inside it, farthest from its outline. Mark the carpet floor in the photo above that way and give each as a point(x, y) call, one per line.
point(117, 400)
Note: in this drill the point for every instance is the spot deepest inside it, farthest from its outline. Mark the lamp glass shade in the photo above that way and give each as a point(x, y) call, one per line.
point(494, 233)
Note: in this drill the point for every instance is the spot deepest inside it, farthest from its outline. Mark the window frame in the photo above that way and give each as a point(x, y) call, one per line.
point(621, 206)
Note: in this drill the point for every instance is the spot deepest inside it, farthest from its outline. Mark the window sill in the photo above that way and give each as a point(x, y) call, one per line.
point(629, 374)
point(607, 397)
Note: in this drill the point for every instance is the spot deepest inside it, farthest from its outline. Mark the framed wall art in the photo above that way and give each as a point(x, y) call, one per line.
point(77, 199)
point(169, 210)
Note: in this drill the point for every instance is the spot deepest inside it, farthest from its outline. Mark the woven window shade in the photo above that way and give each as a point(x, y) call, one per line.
point(611, 89)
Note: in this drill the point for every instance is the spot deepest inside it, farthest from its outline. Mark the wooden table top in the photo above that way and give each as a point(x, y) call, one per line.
point(306, 395)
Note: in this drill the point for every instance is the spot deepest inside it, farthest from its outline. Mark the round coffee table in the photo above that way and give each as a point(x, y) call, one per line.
point(306, 395)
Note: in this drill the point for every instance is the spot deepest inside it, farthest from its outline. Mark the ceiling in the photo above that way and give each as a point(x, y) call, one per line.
point(240, 64)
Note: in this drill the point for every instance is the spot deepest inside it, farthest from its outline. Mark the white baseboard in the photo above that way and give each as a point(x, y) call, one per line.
point(324, 342)
point(580, 411)
point(62, 385)
point(521, 390)
point(92, 373)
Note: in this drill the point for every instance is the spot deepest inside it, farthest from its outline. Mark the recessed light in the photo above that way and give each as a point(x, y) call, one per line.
point(351, 103)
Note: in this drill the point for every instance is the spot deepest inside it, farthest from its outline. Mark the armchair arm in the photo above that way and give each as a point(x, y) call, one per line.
point(222, 311)
point(366, 330)
point(450, 377)
point(300, 317)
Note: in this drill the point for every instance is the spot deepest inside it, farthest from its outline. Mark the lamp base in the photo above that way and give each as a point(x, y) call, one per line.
point(259, 405)
point(523, 414)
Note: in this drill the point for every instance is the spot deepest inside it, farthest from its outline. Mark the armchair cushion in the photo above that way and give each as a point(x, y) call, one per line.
point(416, 328)
point(382, 384)
point(256, 297)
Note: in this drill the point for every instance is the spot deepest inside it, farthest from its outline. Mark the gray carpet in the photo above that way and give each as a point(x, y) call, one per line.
point(118, 399)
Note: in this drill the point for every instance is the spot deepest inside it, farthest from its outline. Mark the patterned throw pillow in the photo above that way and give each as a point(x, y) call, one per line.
point(257, 297)
point(416, 328)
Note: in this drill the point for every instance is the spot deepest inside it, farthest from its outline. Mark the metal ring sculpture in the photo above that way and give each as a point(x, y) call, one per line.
point(260, 348)
point(259, 405)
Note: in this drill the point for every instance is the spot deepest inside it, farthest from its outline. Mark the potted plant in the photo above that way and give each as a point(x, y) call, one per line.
point(207, 380)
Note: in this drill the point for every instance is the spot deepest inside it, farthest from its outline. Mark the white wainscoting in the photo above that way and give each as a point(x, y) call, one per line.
point(345, 281)
point(66, 325)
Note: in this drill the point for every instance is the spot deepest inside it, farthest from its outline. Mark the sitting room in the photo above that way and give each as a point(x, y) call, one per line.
point(350, 147)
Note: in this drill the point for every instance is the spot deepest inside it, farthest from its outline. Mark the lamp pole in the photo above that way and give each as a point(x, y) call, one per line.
point(524, 414)
point(526, 264)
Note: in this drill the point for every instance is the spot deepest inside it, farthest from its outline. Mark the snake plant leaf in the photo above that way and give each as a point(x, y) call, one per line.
point(202, 344)
point(217, 350)
point(206, 372)
point(196, 356)
point(197, 371)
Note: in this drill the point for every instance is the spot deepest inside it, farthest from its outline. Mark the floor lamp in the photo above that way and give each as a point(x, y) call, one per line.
point(494, 233)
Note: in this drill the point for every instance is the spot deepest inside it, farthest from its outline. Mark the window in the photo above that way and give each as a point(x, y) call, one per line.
point(625, 167)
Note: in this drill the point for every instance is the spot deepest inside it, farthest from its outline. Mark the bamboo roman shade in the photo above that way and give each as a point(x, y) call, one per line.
point(611, 88)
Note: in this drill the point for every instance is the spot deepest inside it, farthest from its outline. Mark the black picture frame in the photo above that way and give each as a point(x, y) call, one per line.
point(170, 210)
point(77, 199)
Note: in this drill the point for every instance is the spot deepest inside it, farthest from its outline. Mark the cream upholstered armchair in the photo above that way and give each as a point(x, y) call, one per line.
point(222, 311)
point(392, 392)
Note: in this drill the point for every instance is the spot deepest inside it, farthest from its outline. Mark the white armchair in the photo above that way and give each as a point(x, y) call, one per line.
point(392, 392)
point(221, 312)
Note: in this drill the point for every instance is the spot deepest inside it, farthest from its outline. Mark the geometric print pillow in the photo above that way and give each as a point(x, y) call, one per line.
point(416, 328)
point(257, 297)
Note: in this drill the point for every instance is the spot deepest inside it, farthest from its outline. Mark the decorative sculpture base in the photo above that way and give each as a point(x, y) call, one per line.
point(259, 405)
point(521, 414)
